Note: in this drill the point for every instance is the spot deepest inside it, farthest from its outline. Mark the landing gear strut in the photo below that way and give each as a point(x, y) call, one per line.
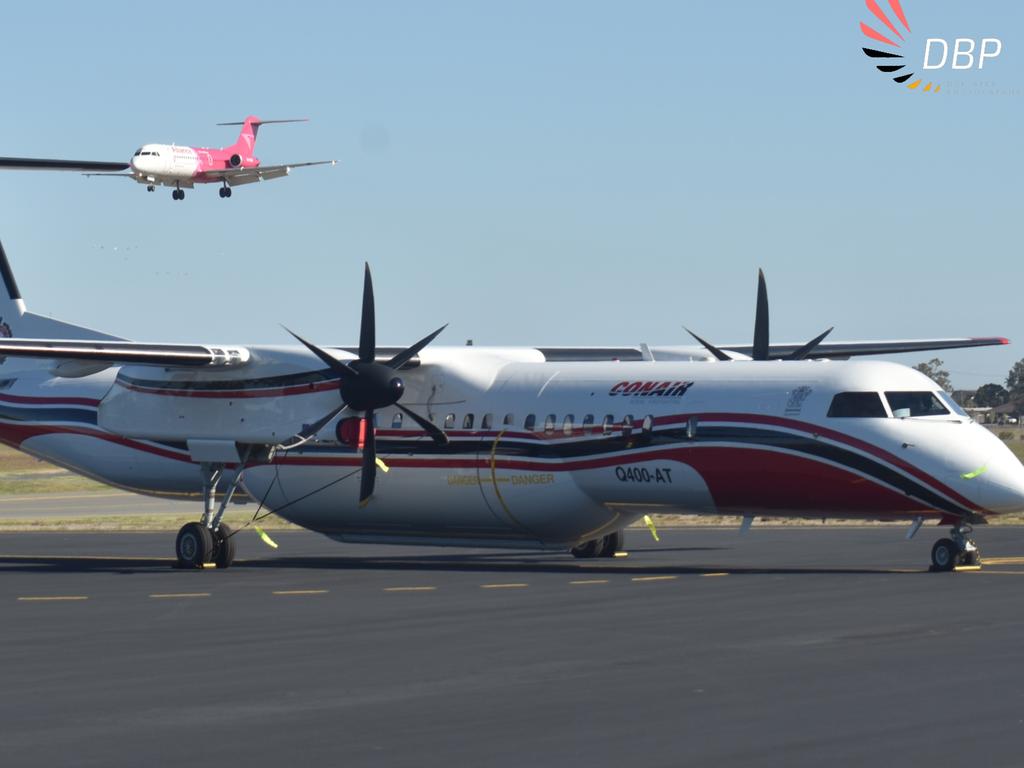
point(947, 554)
point(606, 546)
point(210, 540)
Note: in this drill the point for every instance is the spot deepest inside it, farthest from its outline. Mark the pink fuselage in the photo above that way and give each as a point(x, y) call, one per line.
point(172, 165)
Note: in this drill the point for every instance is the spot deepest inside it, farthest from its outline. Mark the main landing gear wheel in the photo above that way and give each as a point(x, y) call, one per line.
point(947, 554)
point(224, 191)
point(178, 194)
point(223, 546)
point(606, 546)
point(194, 545)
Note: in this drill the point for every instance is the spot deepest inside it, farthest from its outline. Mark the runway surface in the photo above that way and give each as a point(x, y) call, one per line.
point(796, 647)
point(67, 506)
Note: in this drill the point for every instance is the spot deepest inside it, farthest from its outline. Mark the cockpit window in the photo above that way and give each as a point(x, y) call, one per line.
point(954, 406)
point(905, 404)
point(137, 153)
point(857, 405)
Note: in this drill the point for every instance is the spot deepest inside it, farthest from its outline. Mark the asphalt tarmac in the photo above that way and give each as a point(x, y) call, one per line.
point(795, 647)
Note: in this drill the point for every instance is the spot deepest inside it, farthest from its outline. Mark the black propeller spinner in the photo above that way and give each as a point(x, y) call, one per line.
point(366, 385)
point(762, 348)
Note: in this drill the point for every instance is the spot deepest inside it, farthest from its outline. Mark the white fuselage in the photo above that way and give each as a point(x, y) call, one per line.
point(541, 454)
point(166, 164)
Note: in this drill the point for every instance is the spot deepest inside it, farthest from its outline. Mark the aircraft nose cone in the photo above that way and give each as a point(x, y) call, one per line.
point(1003, 483)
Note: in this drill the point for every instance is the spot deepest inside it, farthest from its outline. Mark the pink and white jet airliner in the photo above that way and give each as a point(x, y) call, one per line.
point(180, 167)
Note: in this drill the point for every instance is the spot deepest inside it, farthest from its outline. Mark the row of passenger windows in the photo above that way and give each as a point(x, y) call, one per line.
point(901, 404)
point(567, 424)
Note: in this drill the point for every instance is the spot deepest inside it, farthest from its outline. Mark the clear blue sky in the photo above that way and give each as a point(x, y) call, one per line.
point(559, 173)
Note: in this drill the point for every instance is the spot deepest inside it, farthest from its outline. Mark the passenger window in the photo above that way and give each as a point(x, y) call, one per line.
point(485, 422)
point(530, 423)
point(549, 424)
point(608, 425)
point(510, 419)
point(588, 424)
point(857, 405)
point(467, 421)
point(396, 420)
point(627, 425)
point(449, 421)
point(915, 404)
point(567, 425)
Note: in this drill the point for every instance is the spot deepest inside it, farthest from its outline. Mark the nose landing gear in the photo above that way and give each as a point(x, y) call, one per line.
point(955, 551)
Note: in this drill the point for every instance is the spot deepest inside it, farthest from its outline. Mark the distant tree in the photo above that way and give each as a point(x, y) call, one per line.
point(933, 370)
point(990, 395)
point(1015, 380)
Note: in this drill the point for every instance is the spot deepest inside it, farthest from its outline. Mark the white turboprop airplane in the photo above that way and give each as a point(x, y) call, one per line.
point(553, 448)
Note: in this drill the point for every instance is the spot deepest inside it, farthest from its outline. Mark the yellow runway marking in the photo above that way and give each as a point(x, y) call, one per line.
point(409, 589)
point(589, 581)
point(512, 585)
point(1003, 560)
point(299, 592)
point(162, 595)
point(709, 575)
point(52, 598)
point(654, 578)
point(989, 571)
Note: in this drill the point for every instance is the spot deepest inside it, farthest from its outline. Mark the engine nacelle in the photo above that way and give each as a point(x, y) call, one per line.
point(235, 161)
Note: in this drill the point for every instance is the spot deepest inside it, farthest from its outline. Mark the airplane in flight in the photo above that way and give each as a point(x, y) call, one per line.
point(556, 448)
point(181, 167)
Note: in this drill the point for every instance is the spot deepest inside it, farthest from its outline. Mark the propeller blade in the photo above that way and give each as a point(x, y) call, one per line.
point(433, 430)
point(719, 354)
point(807, 348)
point(316, 426)
point(408, 354)
point(335, 365)
point(369, 475)
point(760, 351)
point(368, 324)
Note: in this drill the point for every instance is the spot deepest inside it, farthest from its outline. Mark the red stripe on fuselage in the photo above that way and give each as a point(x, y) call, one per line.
point(26, 400)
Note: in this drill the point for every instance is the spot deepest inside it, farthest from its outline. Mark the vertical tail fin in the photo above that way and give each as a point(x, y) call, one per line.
point(12, 307)
point(246, 141)
point(247, 136)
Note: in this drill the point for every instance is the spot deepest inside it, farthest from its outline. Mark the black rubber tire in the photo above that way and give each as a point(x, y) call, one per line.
point(945, 555)
point(194, 546)
point(224, 546)
point(227, 191)
point(220, 192)
point(587, 549)
point(612, 543)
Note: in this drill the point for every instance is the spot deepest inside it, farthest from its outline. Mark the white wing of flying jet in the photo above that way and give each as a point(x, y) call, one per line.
point(236, 176)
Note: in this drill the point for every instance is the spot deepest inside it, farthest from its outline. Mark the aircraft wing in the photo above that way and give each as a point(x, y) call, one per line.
point(841, 350)
point(237, 176)
point(46, 164)
point(125, 352)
